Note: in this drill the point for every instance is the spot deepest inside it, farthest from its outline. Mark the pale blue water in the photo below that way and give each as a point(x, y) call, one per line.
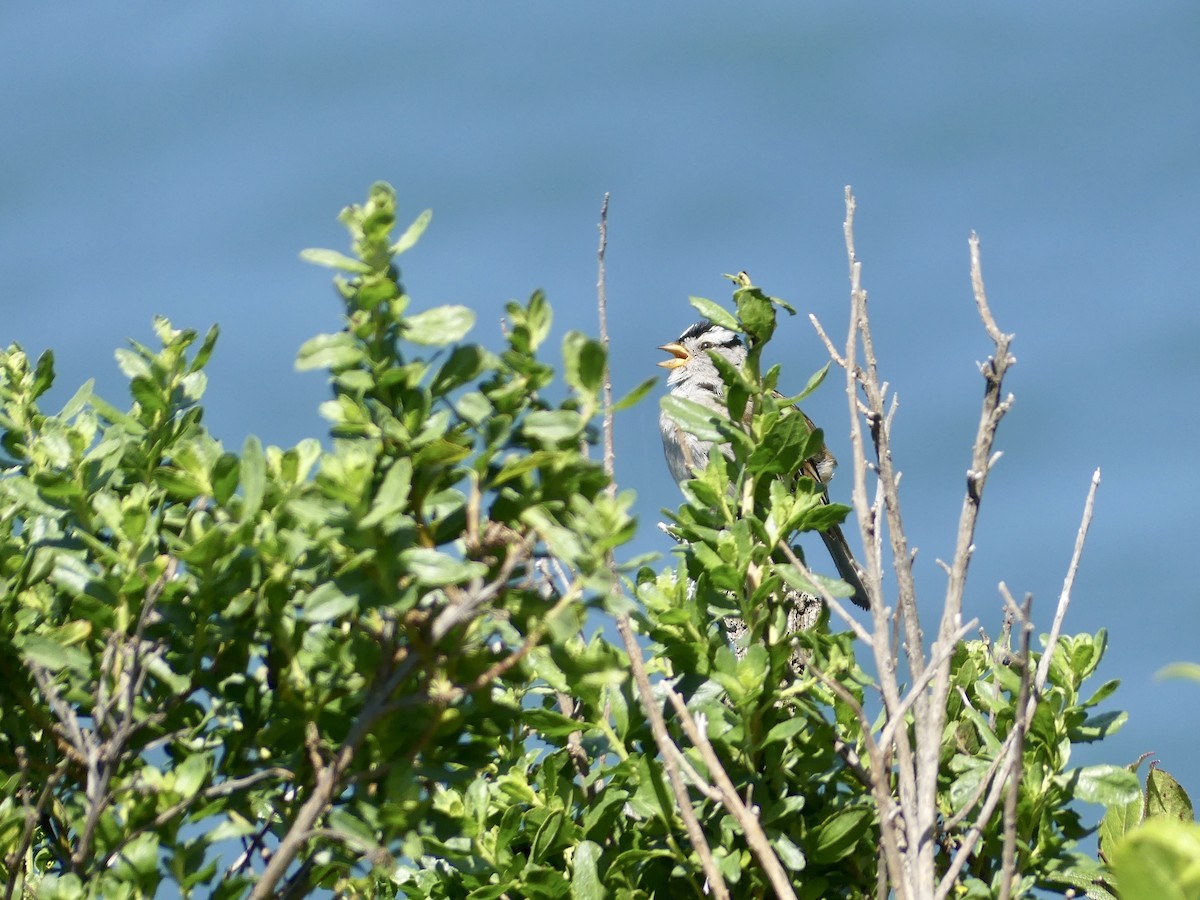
point(175, 159)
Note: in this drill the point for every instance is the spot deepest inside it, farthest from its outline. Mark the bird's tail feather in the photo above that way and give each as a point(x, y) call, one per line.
point(835, 542)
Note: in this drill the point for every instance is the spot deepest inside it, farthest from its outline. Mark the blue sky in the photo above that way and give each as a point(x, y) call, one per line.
point(176, 158)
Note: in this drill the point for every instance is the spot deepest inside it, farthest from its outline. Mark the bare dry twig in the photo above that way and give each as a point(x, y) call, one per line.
point(1008, 864)
point(866, 379)
point(602, 305)
point(670, 754)
point(913, 752)
point(1064, 598)
point(747, 818)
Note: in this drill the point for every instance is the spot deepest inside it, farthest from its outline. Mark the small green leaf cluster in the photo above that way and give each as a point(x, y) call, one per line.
point(196, 637)
point(1152, 843)
point(984, 705)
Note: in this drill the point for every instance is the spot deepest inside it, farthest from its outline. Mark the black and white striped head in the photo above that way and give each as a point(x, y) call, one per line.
point(690, 353)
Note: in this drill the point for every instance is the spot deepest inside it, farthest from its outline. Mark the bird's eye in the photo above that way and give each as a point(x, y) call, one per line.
point(707, 345)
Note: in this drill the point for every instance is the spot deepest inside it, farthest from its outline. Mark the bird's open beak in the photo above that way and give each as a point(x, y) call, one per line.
point(679, 356)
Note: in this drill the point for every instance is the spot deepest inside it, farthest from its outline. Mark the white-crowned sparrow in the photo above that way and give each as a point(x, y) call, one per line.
point(695, 377)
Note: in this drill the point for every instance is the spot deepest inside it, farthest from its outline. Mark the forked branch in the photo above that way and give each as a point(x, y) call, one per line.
point(915, 747)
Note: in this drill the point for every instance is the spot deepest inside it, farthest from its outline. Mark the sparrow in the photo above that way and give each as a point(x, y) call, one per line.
point(694, 376)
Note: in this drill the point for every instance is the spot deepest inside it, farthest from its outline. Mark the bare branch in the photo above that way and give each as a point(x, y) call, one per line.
point(1008, 865)
point(602, 305)
point(670, 753)
point(917, 792)
point(896, 720)
point(480, 593)
point(1064, 598)
point(755, 837)
point(825, 339)
point(994, 408)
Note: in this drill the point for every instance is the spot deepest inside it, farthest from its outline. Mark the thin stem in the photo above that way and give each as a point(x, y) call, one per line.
point(760, 846)
point(1064, 598)
point(1008, 865)
point(670, 753)
point(602, 305)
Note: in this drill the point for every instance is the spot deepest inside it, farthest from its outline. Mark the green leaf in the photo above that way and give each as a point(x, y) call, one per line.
point(146, 393)
point(814, 382)
point(786, 729)
point(742, 280)
point(331, 259)
point(1120, 819)
point(781, 446)
point(538, 318)
point(110, 413)
point(553, 426)
point(206, 349)
point(413, 233)
point(436, 569)
point(439, 326)
point(474, 407)
point(715, 313)
point(392, 496)
point(235, 826)
point(329, 351)
point(1103, 692)
point(465, 363)
point(635, 395)
point(138, 858)
point(789, 854)
point(192, 387)
point(224, 477)
point(1105, 784)
point(327, 602)
point(1098, 727)
point(50, 654)
point(836, 837)
point(757, 314)
point(545, 838)
point(1166, 797)
point(190, 775)
point(132, 364)
point(585, 878)
point(583, 363)
point(694, 418)
point(1189, 670)
point(549, 723)
point(61, 887)
point(179, 485)
point(376, 288)
point(1158, 862)
point(516, 466)
point(43, 375)
point(78, 401)
point(351, 826)
point(170, 335)
point(253, 477)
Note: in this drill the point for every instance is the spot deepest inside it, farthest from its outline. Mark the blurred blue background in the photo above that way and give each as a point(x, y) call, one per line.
point(174, 158)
